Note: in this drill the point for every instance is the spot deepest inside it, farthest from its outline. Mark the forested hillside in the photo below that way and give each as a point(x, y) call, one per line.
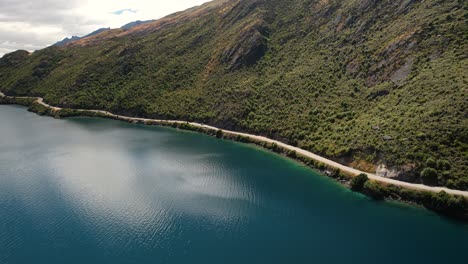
point(364, 82)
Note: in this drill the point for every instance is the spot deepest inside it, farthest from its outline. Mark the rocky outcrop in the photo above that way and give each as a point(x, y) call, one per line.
point(248, 41)
point(247, 48)
point(399, 76)
point(405, 172)
point(393, 63)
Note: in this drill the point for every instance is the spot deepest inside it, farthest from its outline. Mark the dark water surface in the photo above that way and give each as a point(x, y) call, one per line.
point(88, 190)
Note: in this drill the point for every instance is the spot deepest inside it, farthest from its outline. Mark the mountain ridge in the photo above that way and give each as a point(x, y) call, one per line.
point(66, 41)
point(134, 24)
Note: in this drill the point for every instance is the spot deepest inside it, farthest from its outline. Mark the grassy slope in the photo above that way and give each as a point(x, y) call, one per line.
point(339, 78)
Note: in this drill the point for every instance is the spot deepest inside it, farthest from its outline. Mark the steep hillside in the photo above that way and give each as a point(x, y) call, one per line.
point(364, 82)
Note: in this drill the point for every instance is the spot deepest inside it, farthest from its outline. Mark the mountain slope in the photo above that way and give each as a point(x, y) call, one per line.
point(363, 82)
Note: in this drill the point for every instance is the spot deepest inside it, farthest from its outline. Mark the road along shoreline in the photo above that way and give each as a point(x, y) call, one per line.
point(255, 138)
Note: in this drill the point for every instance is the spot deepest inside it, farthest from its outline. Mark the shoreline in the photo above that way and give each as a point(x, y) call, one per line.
point(328, 167)
point(335, 165)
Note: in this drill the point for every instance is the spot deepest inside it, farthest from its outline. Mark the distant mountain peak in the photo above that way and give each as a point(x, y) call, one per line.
point(64, 41)
point(96, 32)
point(125, 27)
point(135, 23)
point(74, 38)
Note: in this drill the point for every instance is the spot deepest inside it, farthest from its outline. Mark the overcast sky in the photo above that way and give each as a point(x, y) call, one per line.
point(35, 24)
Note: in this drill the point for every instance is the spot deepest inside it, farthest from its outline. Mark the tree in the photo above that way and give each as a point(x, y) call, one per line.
point(335, 173)
point(444, 202)
point(443, 165)
point(431, 163)
point(219, 133)
point(357, 183)
point(375, 190)
point(429, 176)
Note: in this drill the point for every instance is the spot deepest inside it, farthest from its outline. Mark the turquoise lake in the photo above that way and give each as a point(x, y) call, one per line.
point(87, 190)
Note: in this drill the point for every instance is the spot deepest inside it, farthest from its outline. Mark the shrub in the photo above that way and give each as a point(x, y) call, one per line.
point(443, 165)
point(431, 163)
point(275, 147)
point(357, 183)
point(375, 190)
point(446, 203)
point(219, 133)
point(429, 176)
point(335, 173)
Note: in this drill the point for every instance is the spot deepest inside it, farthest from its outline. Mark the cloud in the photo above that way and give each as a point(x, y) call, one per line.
point(120, 12)
point(32, 25)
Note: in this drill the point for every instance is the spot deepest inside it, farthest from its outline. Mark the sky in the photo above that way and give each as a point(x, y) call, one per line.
point(35, 24)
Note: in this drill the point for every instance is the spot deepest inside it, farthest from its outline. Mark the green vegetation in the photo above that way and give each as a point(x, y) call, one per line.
point(40, 109)
point(219, 133)
point(429, 176)
point(376, 190)
point(361, 82)
point(358, 182)
point(19, 101)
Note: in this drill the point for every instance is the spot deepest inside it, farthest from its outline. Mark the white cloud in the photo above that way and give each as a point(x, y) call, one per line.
point(31, 25)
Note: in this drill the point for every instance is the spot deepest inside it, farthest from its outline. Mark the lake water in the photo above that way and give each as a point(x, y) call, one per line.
point(87, 190)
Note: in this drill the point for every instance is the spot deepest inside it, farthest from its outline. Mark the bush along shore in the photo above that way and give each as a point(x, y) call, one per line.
point(454, 206)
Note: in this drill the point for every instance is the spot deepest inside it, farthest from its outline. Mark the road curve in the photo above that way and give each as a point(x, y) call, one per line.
point(330, 163)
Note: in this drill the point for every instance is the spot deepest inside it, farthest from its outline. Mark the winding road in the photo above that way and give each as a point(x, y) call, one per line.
point(330, 163)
